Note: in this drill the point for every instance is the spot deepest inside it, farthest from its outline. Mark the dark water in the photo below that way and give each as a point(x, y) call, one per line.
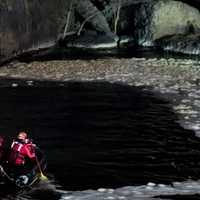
point(62, 53)
point(98, 134)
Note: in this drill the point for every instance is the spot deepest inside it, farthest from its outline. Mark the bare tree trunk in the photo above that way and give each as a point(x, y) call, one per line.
point(117, 16)
point(84, 22)
point(68, 19)
point(93, 15)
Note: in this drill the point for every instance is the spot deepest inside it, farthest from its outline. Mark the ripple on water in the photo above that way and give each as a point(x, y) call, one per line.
point(140, 192)
point(98, 134)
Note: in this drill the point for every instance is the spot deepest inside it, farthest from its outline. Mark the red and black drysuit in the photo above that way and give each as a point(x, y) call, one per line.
point(21, 156)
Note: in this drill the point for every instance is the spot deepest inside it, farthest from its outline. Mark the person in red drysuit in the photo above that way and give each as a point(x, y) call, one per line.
point(21, 156)
point(22, 151)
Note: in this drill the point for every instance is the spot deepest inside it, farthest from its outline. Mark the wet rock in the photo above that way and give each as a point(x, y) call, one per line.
point(91, 40)
point(126, 41)
point(92, 15)
point(187, 44)
point(172, 17)
point(164, 18)
point(142, 18)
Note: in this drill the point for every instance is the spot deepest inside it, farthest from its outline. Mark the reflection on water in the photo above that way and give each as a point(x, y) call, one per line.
point(98, 134)
point(60, 53)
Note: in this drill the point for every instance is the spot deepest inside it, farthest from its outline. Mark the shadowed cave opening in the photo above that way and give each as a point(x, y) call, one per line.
point(100, 134)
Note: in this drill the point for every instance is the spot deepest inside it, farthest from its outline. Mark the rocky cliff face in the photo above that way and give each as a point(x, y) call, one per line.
point(30, 24)
point(26, 25)
point(165, 18)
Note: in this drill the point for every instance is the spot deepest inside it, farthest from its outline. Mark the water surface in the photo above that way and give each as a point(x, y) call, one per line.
point(98, 134)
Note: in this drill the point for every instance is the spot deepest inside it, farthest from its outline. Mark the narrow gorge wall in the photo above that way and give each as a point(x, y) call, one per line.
point(28, 24)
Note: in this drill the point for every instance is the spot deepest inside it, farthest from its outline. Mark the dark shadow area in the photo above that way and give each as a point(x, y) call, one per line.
point(98, 134)
point(60, 53)
point(180, 197)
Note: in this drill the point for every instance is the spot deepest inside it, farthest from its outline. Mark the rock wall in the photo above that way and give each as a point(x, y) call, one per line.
point(30, 24)
point(164, 18)
point(173, 17)
point(27, 25)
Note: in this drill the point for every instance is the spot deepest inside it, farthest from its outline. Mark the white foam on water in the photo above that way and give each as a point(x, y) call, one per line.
point(30, 83)
point(14, 85)
point(146, 192)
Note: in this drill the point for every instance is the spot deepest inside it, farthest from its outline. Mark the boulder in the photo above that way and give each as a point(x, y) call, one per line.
point(91, 40)
point(164, 18)
point(173, 17)
point(186, 44)
point(91, 14)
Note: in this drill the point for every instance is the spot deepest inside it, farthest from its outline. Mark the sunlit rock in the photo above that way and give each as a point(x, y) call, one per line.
point(173, 17)
point(165, 18)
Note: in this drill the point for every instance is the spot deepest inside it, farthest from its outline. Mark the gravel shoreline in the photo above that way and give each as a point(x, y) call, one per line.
point(177, 80)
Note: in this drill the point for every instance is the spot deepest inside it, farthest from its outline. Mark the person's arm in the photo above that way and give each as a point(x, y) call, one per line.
point(30, 151)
